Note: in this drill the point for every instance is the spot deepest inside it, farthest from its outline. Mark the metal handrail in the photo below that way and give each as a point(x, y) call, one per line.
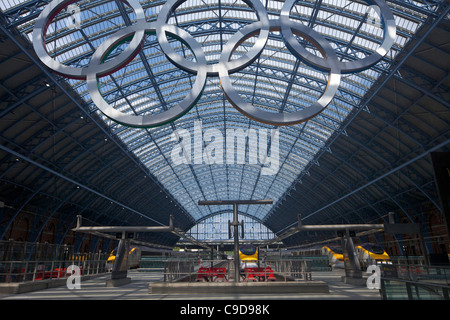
point(418, 272)
point(25, 271)
point(189, 270)
point(431, 288)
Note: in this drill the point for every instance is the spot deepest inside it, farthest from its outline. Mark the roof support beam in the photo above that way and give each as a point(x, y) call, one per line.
point(427, 152)
point(74, 182)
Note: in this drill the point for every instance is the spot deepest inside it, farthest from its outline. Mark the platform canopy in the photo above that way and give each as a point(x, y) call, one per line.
point(366, 154)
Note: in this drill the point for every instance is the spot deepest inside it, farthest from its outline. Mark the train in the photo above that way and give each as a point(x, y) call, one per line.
point(249, 255)
point(367, 254)
point(134, 258)
point(371, 254)
point(252, 268)
point(335, 256)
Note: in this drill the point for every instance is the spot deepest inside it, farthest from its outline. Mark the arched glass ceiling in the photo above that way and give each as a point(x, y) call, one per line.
point(275, 82)
point(216, 228)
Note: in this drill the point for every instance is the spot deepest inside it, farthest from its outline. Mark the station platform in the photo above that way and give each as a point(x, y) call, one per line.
point(96, 289)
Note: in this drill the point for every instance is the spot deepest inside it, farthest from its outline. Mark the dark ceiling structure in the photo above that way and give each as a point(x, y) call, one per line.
point(366, 155)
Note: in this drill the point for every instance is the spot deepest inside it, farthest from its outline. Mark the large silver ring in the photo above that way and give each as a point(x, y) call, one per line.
point(213, 69)
point(144, 121)
point(40, 28)
point(347, 66)
point(285, 118)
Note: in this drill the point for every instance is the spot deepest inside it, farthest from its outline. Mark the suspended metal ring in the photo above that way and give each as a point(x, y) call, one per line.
point(43, 22)
point(240, 63)
point(287, 118)
point(144, 121)
point(348, 66)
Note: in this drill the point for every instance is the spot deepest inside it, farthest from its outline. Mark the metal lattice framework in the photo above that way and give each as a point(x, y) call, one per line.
point(365, 155)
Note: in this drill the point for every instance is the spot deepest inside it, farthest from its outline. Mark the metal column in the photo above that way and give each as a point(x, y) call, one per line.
point(351, 263)
point(120, 266)
point(237, 269)
point(235, 225)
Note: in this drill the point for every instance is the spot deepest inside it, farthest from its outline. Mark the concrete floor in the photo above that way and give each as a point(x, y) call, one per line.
point(95, 289)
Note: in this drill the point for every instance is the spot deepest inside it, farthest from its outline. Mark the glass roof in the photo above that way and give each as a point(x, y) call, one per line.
point(216, 228)
point(275, 82)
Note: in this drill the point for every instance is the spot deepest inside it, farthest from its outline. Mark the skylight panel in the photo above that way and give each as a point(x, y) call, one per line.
point(8, 4)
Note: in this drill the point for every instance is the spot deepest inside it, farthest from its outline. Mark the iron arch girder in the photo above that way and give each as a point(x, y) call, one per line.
point(23, 94)
point(29, 10)
point(380, 188)
point(390, 118)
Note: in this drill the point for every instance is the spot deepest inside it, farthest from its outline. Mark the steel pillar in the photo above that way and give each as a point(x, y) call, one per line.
point(235, 224)
point(120, 266)
point(237, 268)
point(352, 267)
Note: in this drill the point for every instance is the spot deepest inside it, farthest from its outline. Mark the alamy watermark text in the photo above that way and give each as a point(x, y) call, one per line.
point(235, 146)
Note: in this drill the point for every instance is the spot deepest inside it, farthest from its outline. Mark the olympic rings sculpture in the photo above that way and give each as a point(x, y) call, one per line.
point(99, 66)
